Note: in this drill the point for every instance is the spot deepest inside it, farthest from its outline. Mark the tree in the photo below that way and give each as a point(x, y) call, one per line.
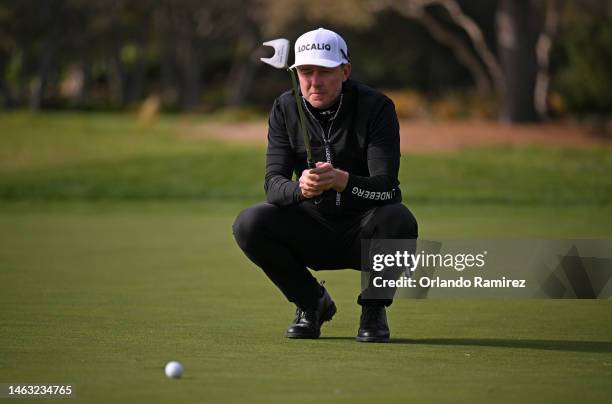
point(246, 53)
point(517, 25)
point(512, 74)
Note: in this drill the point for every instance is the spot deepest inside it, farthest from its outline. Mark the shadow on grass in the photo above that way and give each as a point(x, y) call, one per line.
point(543, 344)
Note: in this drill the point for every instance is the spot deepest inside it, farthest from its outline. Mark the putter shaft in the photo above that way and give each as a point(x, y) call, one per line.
point(305, 133)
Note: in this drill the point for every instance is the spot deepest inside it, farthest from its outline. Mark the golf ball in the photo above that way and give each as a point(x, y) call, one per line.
point(174, 370)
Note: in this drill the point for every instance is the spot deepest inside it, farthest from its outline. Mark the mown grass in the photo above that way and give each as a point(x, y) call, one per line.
point(103, 297)
point(116, 255)
point(111, 157)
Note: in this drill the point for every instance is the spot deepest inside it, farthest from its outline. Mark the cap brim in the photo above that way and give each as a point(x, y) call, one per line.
point(317, 62)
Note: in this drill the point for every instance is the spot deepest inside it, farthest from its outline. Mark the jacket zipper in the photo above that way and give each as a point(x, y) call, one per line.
point(326, 142)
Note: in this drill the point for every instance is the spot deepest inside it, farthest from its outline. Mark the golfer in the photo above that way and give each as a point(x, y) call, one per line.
point(319, 219)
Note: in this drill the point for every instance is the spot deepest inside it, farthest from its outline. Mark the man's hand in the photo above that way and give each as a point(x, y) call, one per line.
point(321, 178)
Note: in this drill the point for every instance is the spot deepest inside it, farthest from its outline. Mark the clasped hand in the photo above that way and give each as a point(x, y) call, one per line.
point(324, 176)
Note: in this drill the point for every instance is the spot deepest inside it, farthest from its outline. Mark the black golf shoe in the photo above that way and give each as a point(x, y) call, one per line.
point(373, 326)
point(307, 323)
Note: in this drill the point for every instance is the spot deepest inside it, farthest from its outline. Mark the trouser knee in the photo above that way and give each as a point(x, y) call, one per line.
point(249, 225)
point(395, 222)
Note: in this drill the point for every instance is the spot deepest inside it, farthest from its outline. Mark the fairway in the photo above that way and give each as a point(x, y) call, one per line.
point(116, 260)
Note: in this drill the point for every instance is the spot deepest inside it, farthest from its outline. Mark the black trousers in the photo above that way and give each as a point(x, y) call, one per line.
point(285, 241)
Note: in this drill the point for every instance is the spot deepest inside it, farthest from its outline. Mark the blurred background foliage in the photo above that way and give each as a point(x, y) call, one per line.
point(516, 60)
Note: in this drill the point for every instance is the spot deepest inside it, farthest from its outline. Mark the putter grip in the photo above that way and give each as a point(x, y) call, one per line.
point(318, 199)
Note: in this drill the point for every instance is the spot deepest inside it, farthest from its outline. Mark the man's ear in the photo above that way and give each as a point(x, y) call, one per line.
point(346, 71)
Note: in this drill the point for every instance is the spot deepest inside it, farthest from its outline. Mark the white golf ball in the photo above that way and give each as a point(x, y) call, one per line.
point(174, 370)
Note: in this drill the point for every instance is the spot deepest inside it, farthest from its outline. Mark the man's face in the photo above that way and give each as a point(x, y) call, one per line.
point(321, 86)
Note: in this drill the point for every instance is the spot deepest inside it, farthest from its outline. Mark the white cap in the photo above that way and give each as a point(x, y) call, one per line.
point(320, 47)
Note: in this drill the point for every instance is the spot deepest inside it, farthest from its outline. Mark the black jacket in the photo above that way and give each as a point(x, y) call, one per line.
point(363, 140)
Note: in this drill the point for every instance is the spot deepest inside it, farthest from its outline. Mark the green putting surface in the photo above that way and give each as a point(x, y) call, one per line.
point(103, 295)
point(116, 256)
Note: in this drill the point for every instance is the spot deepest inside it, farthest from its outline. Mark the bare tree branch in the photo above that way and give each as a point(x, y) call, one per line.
point(415, 9)
point(478, 41)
